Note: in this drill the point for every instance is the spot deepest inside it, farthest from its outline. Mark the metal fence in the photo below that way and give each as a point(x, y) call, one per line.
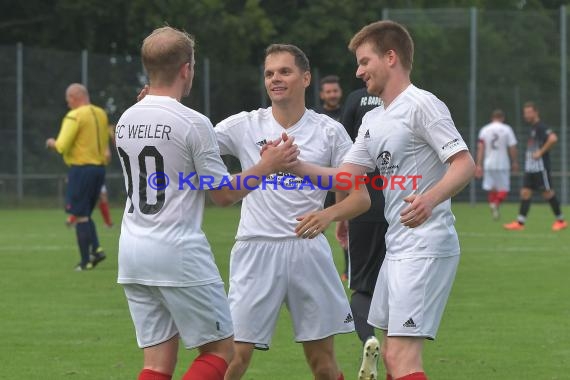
point(473, 60)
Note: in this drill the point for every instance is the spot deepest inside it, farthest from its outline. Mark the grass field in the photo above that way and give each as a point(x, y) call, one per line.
point(508, 316)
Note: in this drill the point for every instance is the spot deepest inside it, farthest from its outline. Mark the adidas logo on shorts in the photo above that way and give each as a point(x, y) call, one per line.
point(348, 318)
point(409, 323)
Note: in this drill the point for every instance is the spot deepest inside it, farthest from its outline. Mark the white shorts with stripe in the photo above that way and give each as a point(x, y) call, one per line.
point(499, 180)
point(199, 314)
point(301, 273)
point(411, 294)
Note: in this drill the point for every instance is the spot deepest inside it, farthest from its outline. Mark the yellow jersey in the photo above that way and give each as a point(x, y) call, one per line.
point(84, 137)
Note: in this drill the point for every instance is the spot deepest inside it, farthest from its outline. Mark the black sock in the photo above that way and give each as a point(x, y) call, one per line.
point(360, 306)
point(525, 207)
point(555, 205)
point(94, 237)
point(83, 232)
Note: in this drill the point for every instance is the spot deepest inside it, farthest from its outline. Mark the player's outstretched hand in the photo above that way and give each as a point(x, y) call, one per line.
point(312, 224)
point(143, 93)
point(417, 212)
point(281, 156)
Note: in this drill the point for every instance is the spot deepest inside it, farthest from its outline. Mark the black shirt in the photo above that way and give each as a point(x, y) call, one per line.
point(357, 104)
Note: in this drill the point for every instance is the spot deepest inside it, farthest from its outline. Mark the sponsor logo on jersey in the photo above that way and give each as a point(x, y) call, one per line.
point(385, 157)
point(450, 144)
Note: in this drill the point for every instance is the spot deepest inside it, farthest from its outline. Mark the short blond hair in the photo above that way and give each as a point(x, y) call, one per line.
point(386, 35)
point(164, 51)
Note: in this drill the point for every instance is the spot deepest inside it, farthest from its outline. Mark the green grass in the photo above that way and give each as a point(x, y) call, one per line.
point(507, 318)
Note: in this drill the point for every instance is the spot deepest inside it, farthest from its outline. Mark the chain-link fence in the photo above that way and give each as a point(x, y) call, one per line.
point(473, 60)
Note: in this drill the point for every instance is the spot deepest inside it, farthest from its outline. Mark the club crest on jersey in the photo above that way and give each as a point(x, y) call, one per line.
point(385, 157)
point(367, 134)
point(261, 142)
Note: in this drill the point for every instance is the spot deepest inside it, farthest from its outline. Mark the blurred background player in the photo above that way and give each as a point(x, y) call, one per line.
point(269, 265)
point(172, 284)
point(537, 170)
point(82, 141)
point(363, 235)
point(103, 202)
point(330, 93)
point(497, 143)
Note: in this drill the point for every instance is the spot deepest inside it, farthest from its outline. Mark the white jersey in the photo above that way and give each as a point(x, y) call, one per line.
point(271, 211)
point(413, 137)
point(161, 241)
point(497, 138)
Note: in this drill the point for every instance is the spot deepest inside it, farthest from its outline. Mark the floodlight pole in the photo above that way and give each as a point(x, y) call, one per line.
point(20, 121)
point(563, 107)
point(473, 94)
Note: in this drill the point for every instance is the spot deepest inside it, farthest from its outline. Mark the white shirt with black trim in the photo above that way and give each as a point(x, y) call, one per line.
point(413, 137)
point(161, 241)
point(271, 210)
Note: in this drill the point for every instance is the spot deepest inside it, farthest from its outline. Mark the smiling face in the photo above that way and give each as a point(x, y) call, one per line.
point(373, 68)
point(284, 80)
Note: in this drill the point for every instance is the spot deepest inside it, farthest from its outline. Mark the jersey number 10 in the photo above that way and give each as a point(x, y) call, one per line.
point(147, 151)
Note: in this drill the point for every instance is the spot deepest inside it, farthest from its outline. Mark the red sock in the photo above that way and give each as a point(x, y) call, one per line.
point(149, 374)
point(414, 376)
point(341, 376)
point(501, 196)
point(206, 367)
point(104, 207)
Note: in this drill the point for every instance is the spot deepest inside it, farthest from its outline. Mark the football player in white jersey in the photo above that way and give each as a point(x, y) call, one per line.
point(497, 144)
point(169, 157)
point(413, 141)
point(269, 264)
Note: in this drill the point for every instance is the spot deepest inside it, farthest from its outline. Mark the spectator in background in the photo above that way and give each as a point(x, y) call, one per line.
point(331, 94)
point(363, 235)
point(537, 170)
point(497, 143)
point(82, 141)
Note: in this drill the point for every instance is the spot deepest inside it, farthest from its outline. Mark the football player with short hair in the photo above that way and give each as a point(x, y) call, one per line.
point(497, 144)
point(269, 265)
point(410, 134)
point(166, 267)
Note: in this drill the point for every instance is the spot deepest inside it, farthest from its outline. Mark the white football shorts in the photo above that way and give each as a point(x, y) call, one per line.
point(411, 294)
point(301, 273)
point(199, 314)
point(499, 180)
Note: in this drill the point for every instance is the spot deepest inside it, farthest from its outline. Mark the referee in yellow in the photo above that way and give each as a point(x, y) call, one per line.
point(82, 141)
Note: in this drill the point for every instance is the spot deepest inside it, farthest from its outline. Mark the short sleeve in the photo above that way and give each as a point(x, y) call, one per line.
point(443, 138)
point(358, 153)
point(206, 152)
